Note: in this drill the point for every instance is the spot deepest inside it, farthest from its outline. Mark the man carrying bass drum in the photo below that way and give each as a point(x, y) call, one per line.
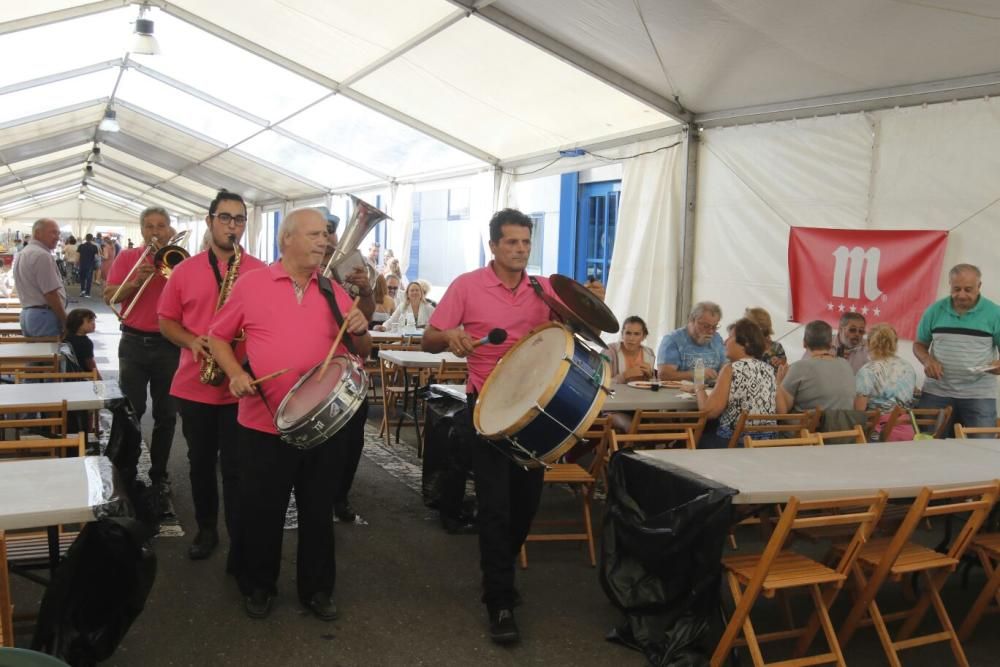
point(207, 408)
point(497, 296)
point(288, 323)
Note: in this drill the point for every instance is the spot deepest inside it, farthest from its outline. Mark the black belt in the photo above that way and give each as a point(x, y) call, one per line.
point(140, 332)
point(30, 307)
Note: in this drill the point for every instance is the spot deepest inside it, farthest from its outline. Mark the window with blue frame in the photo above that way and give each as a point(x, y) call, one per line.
point(596, 223)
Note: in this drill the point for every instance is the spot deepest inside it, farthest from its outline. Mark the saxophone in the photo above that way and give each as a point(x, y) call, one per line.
point(211, 373)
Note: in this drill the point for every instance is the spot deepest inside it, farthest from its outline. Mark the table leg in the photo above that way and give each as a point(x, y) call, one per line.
point(53, 534)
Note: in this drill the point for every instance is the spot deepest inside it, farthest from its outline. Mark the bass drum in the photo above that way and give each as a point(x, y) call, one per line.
point(543, 395)
point(315, 409)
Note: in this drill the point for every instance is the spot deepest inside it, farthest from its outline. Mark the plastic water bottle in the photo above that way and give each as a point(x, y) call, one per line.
point(699, 372)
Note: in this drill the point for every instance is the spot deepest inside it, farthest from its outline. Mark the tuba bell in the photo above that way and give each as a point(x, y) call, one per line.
point(347, 256)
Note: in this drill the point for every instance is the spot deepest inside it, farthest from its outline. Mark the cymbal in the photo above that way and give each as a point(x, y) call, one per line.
point(583, 304)
point(572, 322)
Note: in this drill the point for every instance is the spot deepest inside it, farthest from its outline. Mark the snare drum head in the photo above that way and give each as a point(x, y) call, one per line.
point(312, 391)
point(527, 372)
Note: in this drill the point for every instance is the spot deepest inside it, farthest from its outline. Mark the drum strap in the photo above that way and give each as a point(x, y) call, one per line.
point(326, 289)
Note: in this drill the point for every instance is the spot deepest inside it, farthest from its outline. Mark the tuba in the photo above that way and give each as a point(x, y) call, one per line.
point(347, 257)
point(211, 373)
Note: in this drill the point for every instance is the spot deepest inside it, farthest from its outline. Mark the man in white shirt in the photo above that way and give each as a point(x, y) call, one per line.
point(39, 283)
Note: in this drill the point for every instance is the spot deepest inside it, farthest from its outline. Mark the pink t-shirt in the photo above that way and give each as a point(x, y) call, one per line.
point(281, 333)
point(143, 317)
point(189, 299)
point(480, 302)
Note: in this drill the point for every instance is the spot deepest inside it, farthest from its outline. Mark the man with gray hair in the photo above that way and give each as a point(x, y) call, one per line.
point(957, 341)
point(39, 283)
point(820, 379)
point(700, 339)
point(849, 343)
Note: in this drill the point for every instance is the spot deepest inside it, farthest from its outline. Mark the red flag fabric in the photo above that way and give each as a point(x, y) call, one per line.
point(886, 275)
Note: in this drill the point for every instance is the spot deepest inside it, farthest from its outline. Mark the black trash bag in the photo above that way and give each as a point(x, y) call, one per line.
point(444, 470)
point(661, 550)
point(96, 593)
point(123, 448)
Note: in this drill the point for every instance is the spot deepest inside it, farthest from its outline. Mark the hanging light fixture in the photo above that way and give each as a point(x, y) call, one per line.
point(110, 121)
point(144, 43)
point(95, 156)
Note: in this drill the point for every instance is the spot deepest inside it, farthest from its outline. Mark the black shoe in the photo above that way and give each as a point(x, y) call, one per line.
point(322, 605)
point(204, 544)
point(258, 604)
point(503, 628)
point(460, 526)
point(344, 512)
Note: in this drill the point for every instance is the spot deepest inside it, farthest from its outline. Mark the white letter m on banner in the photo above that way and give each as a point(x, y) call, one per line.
point(848, 269)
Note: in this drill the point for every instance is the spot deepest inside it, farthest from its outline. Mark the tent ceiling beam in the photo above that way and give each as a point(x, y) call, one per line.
point(584, 63)
point(152, 181)
point(930, 92)
point(44, 145)
point(605, 144)
point(52, 113)
point(41, 169)
point(29, 22)
point(60, 76)
point(321, 79)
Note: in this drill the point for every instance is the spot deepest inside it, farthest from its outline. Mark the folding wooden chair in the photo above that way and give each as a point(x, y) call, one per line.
point(582, 482)
point(399, 384)
point(28, 376)
point(855, 435)
point(777, 570)
point(805, 439)
point(658, 421)
point(48, 420)
point(74, 445)
point(791, 423)
point(40, 364)
point(898, 557)
point(987, 548)
point(926, 419)
point(450, 372)
point(964, 432)
point(670, 439)
point(6, 605)
point(29, 339)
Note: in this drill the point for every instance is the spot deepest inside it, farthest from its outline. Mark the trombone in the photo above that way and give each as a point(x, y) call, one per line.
point(164, 261)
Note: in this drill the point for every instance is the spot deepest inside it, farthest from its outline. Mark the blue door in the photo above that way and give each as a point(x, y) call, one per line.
point(595, 232)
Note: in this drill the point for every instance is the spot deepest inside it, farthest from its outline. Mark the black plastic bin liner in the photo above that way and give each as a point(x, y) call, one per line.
point(661, 551)
point(444, 471)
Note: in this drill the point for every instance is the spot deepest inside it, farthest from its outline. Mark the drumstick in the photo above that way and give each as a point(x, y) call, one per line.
point(269, 376)
point(336, 341)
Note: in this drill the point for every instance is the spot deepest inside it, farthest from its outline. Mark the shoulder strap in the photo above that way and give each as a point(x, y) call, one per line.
point(535, 285)
point(326, 289)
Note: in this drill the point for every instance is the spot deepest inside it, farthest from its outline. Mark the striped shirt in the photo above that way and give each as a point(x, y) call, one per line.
point(962, 342)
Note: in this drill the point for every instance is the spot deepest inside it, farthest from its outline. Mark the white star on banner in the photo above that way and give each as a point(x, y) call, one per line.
point(854, 308)
point(877, 311)
point(864, 311)
point(829, 306)
point(840, 307)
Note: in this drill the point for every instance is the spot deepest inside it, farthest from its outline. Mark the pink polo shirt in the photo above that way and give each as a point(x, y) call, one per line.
point(480, 302)
point(143, 317)
point(281, 333)
point(189, 298)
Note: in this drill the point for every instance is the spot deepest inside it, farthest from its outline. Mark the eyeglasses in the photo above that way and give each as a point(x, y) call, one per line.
point(393, 289)
point(226, 219)
point(855, 330)
point(706, 327)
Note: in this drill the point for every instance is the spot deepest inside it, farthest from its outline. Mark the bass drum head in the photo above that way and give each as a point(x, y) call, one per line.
point(528, 372)
point(310, 393)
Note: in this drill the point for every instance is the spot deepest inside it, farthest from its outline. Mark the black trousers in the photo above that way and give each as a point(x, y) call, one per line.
point(269, 470)
point(507, 498)
point(151, 361)
point(349, 452)
point(210, 431)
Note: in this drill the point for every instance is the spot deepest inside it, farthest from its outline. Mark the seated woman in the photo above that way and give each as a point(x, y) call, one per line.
point(630, 360)
point(745, 383)
point(385, 305)
point(412, 313)
point(885, 382)
point(774, 353)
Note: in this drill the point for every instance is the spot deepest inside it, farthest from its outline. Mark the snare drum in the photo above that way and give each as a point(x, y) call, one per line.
point(315, 409)
point(543, 395)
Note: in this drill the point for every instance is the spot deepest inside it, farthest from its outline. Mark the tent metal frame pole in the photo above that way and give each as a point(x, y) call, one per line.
point(67, 14)
point(685, 283)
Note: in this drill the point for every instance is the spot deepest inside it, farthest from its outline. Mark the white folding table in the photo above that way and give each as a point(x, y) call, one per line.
point(79, 395)
point(10, 351)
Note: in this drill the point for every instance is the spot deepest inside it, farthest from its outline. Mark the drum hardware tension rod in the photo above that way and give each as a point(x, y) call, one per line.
point(589, 372)
point(559, 423)
point(517, 445)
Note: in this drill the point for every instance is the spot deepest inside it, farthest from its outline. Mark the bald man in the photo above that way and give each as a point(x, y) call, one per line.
point(39, 283)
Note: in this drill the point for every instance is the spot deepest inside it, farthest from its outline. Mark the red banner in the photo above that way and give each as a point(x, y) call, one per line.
point(887, 276)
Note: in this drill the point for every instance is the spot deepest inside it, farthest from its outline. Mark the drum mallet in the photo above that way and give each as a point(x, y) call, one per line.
point(336, 341)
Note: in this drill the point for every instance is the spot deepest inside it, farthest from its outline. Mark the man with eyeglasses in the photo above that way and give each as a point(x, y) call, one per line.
point(392, 287)
point(679, 350)
point(208, 413)
point(850, 343)
point(145, 357)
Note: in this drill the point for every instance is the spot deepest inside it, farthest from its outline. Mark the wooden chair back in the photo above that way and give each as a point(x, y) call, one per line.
point(28, 376)
point(789, 423)
point(50, 418)
point(451, 372)
point(855, 435)
point(671, 439)
point(74, 445)
point(30, 339)
point(659, 421)
point(804, 439)
point(6, 605)
point(932, 420)
point(41, 364)
point(964, 432)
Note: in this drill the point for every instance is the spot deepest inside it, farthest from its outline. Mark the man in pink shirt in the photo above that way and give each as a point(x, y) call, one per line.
point(288, 323)
point(208, 413)
point(500, 295)
point(145, 357)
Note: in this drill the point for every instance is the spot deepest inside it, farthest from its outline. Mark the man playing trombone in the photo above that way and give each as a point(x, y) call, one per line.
point(145, 357)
